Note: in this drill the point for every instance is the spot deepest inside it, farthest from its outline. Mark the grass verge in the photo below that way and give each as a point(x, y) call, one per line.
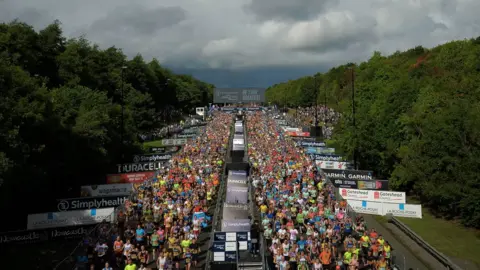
point(448, 237)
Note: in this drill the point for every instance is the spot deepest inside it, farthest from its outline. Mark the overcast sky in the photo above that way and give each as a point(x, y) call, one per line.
point(232, 34)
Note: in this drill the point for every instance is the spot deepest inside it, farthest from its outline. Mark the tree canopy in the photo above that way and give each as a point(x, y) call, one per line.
point(60, 113)
point(417, 121)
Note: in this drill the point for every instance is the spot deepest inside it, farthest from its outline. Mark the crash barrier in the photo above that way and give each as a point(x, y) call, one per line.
point(449, 264)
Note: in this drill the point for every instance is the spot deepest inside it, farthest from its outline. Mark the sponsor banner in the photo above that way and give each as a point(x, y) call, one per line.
point(139, 167)
point(129, 177)
point(297, 134)
point(225, 256)
point(236, 225)
point(239, 95)
point(364, 207)
point(320, 150)
point(192, 130)
point(224, 246)
point(237, 194)
point(239, 129)
point(331, 165)
point(166, 150)
point(105, 190)
point(348, 174)
point(187, 136)
point(238, 141)
point(403, 210)
point(90, 202)
point(233, 211)
point(173, 142)
point(360, 184)
point(373, 195)
point(291, 129)
point(325, 157)
point(151, 158)
point(239, 173)
point(306, 143)
point(37, 236)
point(70, 218)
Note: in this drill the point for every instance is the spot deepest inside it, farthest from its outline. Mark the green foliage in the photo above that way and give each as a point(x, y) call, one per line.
point(417, 121)
point(60, 113)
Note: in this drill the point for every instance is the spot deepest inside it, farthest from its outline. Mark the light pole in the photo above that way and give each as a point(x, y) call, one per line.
point(316, 100)
point(325, 106)
point(122, 131)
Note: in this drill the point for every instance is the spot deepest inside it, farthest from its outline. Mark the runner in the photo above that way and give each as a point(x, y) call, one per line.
point(301, 217)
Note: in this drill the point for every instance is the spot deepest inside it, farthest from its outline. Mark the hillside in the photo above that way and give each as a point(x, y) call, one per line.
point(417, 119)
point(60, 113)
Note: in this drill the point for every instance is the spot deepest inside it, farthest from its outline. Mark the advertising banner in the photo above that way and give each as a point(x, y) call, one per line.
point(235, 211)
point(106, 190)
point(331, 165)
point(70, 218)
point(297, 134)
point(364, 207)
point(281, 122)
point(187, 136)
point(239, 130)
point(373, 195)
point(37, 236)
point(306, 143)
point(239, 95)
point(236, 225)
point(320, 150)
point(231, 237)
point(348, 174)
point(403, 210)
point(90, 202)
point(151, 158)
point(167, 150)
point(238, 141)
point(139, 167)
point(237, 194)
point(238, 147)
point(238, 173)
point(173, 142)
point(233, 181)
point(325, 157)
point(224, 246)
point(360, 184)
point(129, 177)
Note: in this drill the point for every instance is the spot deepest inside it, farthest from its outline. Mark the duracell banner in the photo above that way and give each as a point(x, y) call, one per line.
point(139, 167)
point(348, 174)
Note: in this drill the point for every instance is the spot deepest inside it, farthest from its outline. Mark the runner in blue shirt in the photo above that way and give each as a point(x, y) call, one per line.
point(140, 235)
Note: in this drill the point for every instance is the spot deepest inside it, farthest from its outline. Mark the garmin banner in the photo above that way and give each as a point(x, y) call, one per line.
point(237, 195)
point(90, 202)
point(151, 158)
point(306, 143)
point(236, 225)
point(360, 184)
point(348, 174)
point(37, 236)
point(187, 136)
point(238, 95)
point(139, 167)
point(325, 157)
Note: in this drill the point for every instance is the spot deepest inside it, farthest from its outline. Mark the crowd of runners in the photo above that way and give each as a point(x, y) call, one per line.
point(161, 223)
point(305, 224)
point(305, 117)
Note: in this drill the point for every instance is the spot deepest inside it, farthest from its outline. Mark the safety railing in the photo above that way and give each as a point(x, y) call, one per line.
point(431, 250)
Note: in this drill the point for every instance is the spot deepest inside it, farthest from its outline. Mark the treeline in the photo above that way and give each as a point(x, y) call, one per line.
point(60, 113)
point(417, 121)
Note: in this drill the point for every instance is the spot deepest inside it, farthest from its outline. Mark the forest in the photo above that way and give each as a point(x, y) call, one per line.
point(60, 113)
point(417, 121)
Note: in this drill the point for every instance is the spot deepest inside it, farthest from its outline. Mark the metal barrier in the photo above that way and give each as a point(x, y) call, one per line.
point(431, 250)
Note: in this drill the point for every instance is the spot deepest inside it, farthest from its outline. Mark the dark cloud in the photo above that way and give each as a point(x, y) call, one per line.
point(287, 10)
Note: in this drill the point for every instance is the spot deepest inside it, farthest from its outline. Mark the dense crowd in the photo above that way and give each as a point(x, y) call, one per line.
point(163, 220)
point(168, 130)
point(305, 225)
point(305, 116)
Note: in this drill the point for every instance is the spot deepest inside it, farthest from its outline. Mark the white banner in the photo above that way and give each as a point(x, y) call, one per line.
point(373, 195)
point(238, 141)
point(403, 210)
point(70, 218)
point(364, 207)
point(106, 190)
point(173, 142)
point(336, 165)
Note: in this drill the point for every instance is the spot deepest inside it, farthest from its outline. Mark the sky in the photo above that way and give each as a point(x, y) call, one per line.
point(254, 42)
